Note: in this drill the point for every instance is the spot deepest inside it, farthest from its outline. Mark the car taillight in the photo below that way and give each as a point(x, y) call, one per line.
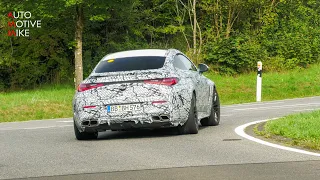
point(158, 102)
point(88, 107)
point(165, 81)
point(85, 87)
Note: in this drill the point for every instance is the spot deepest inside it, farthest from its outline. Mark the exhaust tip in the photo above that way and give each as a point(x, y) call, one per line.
point(94, 122)
point(156, 118)
point(85, 123)
point(164, 117)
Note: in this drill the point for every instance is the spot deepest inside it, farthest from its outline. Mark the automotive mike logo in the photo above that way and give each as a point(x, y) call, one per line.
point(20, 23)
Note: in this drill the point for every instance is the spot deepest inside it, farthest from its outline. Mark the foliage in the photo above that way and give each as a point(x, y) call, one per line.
point(235, 54)
point(232, 35)
point(292, 38)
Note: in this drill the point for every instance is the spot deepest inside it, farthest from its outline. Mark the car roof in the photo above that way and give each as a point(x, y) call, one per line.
point(136, 53)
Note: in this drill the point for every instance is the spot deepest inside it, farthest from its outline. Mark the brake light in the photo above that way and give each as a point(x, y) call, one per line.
point(87, 107)
point(85, 87)
point(169, 81)
point(165, 81)
point(158, 102)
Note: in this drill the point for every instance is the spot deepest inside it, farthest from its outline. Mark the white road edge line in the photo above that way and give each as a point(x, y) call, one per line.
point(65, 121)
point(301, 110)
point(240, 131)
point(270, 102)
point(277, 107)
point(33, 128)
point(226, 115)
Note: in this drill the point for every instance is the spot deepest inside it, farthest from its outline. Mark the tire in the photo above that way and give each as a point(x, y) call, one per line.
point(84, 135)
point(191, 126)
point(214, 118)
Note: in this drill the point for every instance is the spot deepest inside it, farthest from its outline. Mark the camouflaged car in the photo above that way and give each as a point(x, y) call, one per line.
point(145, 89)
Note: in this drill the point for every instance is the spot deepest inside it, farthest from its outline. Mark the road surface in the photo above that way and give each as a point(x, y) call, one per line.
point(47, 149)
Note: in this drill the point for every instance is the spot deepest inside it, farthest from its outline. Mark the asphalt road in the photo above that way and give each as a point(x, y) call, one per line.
point(48, 150)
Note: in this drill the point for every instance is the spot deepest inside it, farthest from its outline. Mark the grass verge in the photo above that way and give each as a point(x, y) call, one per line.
point(296, 130)
point(44, 103)
point(275, 86)
point(55, 101)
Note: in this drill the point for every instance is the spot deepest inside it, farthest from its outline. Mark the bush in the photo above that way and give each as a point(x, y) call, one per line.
point(234, 55)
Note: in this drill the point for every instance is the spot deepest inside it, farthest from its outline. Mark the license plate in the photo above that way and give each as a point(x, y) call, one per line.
point(123, 108)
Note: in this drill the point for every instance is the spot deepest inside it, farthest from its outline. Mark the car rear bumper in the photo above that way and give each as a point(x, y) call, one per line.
point(127, 125)
point(122, 123)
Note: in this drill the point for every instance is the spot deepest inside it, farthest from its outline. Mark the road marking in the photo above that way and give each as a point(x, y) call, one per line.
point(277, 107)
point(240, 131)
point(32, 128)
point(65, 121)
point(268, 102)
point(226, 115)
point(37, 120)
point(304, 110)
point(253, 104)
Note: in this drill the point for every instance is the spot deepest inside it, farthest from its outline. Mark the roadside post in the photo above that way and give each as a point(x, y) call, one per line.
point(259, 81)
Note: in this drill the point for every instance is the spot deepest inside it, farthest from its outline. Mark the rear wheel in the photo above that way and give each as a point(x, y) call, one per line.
point(214, 118)
point(191, 126)
point(84, 135)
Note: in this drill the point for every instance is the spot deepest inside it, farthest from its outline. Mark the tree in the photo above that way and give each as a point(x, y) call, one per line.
point(190, 6)
point(231, 35)
point(78, 50)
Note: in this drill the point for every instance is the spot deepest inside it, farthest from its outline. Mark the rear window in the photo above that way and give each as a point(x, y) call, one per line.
point(130, 64)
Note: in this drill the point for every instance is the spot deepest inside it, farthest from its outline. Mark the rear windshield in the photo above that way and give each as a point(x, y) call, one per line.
point(130, 64)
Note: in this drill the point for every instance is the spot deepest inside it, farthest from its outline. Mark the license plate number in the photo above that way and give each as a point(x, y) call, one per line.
point(123, 108)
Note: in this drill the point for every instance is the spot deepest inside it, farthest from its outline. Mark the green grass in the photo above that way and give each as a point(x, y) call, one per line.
point(44, 103)
point(301, 129)
point(275, 86)
point(55, 101)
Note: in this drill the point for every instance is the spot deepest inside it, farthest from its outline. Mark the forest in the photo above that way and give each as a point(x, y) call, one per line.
point(228, 35)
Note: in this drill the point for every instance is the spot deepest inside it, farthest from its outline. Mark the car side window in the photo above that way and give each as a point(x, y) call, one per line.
point(177, 62)
point(187, 63)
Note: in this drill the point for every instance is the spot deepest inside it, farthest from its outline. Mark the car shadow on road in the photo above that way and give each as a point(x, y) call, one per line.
point(142, 133)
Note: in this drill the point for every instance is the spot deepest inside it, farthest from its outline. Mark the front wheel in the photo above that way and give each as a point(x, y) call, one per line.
point(84, 135)
point(214, 118)
point(191, 126)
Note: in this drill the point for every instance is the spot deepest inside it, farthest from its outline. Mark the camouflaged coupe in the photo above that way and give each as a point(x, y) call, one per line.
point(145, 89)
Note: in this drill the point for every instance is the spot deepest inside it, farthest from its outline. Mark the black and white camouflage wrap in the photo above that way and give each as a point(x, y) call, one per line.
point(177, 97)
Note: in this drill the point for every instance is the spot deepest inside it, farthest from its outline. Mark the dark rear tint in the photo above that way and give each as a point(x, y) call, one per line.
point(130, 64)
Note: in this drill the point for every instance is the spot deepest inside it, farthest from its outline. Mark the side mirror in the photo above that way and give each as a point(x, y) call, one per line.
point(203, 68)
